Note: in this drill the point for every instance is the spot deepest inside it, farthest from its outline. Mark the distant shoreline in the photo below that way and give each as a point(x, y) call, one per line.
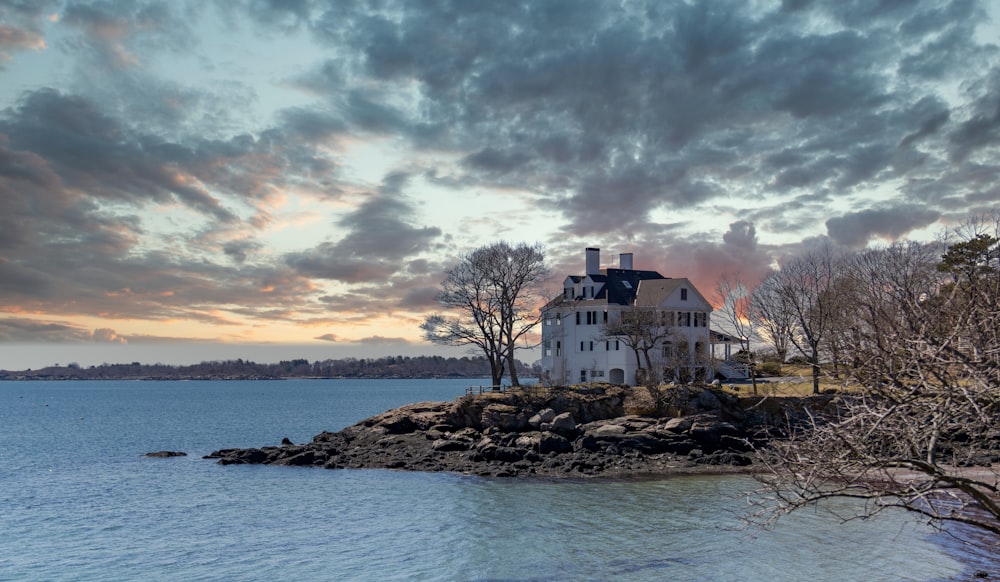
point(382, 368)
point(15, 377)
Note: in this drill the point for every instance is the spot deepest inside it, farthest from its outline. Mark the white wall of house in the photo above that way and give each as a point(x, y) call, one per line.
point(574, 346)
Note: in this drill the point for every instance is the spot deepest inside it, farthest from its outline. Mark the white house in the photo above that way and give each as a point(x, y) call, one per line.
point(577, 348)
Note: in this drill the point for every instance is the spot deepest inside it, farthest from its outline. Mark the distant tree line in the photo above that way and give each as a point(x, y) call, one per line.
point(383, 367)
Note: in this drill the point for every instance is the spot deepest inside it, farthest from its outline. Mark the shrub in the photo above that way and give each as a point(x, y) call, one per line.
point(769, 368)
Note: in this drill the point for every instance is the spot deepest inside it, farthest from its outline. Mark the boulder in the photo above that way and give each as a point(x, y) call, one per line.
point(563, 424)
point(303, 459)
point(645, 444)
point(445, 445)
point(677, 425)
point(544, 415)
point(707, 400)
point(553, 443)
point(527, 441)
point(503, 454)
point(166, 454)
point(504, 417)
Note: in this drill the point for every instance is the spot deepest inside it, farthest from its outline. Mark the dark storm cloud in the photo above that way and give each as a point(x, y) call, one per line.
point(608, 110)
point(95, 153)
point(856, 229)
point(379, 239)
point(981, 131)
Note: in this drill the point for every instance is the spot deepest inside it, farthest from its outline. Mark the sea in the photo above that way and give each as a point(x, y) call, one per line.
point(79, 500)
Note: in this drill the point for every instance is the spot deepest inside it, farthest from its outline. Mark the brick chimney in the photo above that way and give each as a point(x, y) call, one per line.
point(593, 261)
point(625, 261)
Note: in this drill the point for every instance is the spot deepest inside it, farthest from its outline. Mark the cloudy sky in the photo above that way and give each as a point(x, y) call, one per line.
point(191, 180)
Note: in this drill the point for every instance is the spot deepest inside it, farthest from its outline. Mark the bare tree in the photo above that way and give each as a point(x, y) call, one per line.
point(772, 316)
point(642, 329)
point(676, 358)
point(519, 271)
point(922, 433)
point(736, 316)
point(805, 285)
point(493, 292)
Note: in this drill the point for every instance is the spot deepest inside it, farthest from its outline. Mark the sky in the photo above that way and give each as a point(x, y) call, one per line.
point(184, 181)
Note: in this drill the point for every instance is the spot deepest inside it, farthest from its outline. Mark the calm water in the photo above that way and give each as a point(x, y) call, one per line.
point(78, 501)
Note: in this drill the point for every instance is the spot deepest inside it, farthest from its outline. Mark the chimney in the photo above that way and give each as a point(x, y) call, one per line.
point(593, 261)
point(625, 261)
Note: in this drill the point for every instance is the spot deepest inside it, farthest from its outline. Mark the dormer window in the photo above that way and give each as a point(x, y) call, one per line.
point(568, 293)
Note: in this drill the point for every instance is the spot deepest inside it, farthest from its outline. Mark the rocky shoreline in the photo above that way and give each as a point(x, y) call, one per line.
point(578, 432)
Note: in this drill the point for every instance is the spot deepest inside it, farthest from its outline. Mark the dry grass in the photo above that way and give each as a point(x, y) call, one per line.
point(796, 380)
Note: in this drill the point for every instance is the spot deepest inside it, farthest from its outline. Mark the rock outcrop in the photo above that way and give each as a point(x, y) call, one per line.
point(166, 454)
point(581, 432)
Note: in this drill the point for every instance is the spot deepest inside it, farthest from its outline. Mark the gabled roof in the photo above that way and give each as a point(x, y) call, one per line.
point(622, 284)
point(632, 286)
point(656, 293)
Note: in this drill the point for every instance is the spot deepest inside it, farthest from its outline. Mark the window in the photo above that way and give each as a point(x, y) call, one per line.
point(568, 293)
point(583, 375)
point(581, 346)
point(558, 348)
point(684, 294)
point(578, 318)
point(605, 316)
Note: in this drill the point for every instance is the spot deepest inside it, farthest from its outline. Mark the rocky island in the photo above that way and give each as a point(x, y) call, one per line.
point(582, 431)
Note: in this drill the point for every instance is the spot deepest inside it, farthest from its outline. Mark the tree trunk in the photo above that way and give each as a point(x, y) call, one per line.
point(815, 368)
point(496, 370)
point(513, 370)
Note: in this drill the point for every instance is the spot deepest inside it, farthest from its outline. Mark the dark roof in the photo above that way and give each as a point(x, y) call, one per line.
point(621, 285)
